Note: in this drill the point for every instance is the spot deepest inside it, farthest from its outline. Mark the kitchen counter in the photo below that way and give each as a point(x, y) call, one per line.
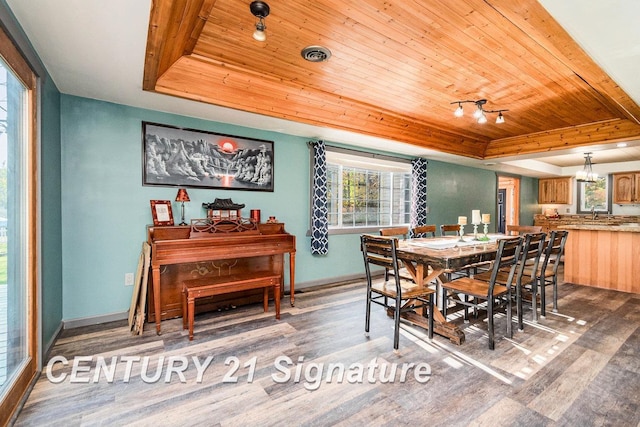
point(603, 220)
point(603, 256)
point(632, 228)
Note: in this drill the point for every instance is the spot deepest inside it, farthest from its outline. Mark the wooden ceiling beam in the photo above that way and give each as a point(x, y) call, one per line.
point(174, 29)
point(608, 131)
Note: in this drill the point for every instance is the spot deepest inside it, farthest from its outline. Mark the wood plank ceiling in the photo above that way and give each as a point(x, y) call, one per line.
point(395, 69)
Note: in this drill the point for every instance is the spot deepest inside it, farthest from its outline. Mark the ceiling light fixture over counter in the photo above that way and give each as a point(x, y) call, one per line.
point(479, 113)
point(587, 174)
point(260, 10)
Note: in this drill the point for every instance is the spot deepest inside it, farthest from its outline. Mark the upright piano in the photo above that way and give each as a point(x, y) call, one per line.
point(180, 252)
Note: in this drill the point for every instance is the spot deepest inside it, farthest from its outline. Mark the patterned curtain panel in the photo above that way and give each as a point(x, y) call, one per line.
point(418, 193)
point(319, 221)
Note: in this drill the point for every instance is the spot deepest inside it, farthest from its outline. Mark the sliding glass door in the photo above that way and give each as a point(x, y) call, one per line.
point(18, 308)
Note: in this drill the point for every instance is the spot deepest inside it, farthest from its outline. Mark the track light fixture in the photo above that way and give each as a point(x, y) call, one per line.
point(480, 113)
point(587, 174)
point(260, 10)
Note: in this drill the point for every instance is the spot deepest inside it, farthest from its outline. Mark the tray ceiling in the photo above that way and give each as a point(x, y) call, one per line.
point(395, 69)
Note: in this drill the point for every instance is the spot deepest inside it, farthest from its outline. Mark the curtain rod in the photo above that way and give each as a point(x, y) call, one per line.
point(360, 153)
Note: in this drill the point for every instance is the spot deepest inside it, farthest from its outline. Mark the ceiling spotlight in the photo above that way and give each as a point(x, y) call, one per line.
point(480, 113)
point(459, 111)
point(260, 10)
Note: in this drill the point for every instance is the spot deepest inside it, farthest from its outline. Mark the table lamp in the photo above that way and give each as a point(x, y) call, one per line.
point(182, 196)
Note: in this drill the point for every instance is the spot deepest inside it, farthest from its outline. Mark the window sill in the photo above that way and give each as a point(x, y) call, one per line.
point(358, 230)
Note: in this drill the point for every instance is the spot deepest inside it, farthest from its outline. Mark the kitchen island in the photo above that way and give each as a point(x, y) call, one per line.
point(604, 256)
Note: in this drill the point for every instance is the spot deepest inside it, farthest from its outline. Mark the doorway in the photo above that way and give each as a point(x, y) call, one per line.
point(502, 194)
point(508, 202)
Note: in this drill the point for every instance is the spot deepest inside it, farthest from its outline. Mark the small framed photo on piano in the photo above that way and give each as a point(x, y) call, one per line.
point(161, 211)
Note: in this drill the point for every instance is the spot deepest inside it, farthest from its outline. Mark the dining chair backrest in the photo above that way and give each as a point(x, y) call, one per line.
point(518, 230)
point(553, 252)
point(381, 251)
point(423, 231)
point(395, 231)
point(449, 228)
point(532, 249)
point(507, 256)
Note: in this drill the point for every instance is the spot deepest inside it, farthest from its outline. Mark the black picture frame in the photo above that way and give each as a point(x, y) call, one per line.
point(182, 157)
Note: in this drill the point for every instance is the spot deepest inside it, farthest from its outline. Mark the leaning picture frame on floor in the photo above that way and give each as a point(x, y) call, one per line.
point(181, 157)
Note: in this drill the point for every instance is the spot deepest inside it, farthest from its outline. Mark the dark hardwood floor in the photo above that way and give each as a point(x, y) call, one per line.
point(578, 367)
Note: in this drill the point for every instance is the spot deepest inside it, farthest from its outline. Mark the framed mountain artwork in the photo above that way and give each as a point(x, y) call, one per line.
point(179, 157)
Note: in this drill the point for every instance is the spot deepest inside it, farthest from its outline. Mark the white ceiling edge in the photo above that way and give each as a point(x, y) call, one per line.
point(534, 165)
point(96, 49)
point(608, 32)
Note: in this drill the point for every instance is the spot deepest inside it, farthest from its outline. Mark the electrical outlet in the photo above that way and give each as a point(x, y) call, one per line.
point(128, 279)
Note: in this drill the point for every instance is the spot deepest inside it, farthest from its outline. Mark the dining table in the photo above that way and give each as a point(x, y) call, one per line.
point(434, 259)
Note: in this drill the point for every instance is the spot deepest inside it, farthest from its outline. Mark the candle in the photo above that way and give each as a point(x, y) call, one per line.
point(486, 218)
point(475, 216)
point(462, 220)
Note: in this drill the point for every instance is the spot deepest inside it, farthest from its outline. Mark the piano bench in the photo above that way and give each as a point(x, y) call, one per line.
point(210, 286)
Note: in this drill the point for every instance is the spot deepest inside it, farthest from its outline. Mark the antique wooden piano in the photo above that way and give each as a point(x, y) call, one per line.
point(195, 251)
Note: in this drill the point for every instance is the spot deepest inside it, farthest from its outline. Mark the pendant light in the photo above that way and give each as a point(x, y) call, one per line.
point(587, 174)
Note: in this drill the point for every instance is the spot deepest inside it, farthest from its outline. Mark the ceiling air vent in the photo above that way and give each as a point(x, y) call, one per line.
point(316, 53)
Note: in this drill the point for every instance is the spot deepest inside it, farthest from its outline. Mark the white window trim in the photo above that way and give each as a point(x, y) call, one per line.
point(384, 161)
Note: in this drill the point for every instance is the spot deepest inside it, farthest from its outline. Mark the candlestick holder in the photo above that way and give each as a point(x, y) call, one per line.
point(486, 230)
point(475, 232)
point(461, 233)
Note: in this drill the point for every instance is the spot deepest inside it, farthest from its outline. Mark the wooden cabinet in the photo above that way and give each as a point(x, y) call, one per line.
point(626, 188)
point(555, 190)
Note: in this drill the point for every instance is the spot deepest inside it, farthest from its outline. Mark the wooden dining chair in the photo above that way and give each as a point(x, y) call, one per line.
point(519, 230)
point(423, 231)
point(397, 232)
point(547, 272)
point(449, 229)
point(532, 248)
point(495, 294)
point(397, 295)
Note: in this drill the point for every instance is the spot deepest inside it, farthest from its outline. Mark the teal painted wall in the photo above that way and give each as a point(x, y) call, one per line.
point(528, 200)
point(51, 218)
point(454, 191)
point(105, 208)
